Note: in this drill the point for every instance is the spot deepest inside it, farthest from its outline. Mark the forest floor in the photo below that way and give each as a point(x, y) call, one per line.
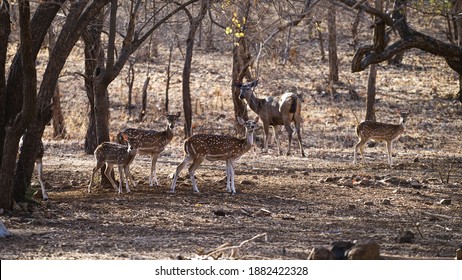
point(292, 203)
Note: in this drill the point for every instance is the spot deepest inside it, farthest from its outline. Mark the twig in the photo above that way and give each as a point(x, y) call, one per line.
point(440, 216)
point(416, 224)
point(233, 248)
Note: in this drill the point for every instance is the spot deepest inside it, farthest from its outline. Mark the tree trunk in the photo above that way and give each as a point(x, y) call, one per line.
point(321, 41)
point(333, 59)
point(23, 119)
point(371, 91)
point(59, 130)
point(5, 31)
point(93, 58)
point(195, 23)
point(101, 109)
point(379, 46)
point(144, 98)
point(354, 28)
point(12, 101)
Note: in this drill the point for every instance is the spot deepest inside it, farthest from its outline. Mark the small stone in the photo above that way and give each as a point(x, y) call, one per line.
point(368, 203)
point(246, 182)
point(331, 179)
point(459, 254)
point(386, 201)
point(345, 182)
point(221, 212)
point(445, 201)
point(365, 182)
point(262, 213)
point(320, 253)
point(415, 184)
point(364, 251)
point(406, 237)
point(340, 249)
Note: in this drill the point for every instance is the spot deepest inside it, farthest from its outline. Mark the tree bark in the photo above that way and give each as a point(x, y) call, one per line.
point(94, 57)
point(333, 59)
point(21, 121)
point(194, 25)
point(5, 31)
point(59, 129)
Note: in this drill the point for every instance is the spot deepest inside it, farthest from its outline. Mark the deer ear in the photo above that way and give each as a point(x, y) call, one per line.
point(257, 118)
point(237, 84)
point(240, 121)
point(254, 83)
point(178, 114)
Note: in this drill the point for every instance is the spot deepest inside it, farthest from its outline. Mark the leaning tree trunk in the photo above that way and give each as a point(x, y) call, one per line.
point(59, 130)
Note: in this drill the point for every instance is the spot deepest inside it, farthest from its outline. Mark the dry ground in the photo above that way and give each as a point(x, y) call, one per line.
point(312, 201)
point(298, 202)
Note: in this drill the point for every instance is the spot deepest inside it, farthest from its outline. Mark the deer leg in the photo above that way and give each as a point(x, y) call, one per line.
point(153, 171)
point(231, 171)
point(98, 167)
point(130, 177)
point(40, 177)
point(192, 169)
point(266, 134)
point(228, 175)
point(180, 167)
point(107, 172)
point(299, 136)
point(389, 149)
point(290, 131)
point(359, 145)
point(127, 178)
point(276, 136)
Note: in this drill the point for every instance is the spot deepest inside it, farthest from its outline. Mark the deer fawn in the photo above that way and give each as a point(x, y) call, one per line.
point(275, 111)
point(39, 163)
point(379, 131)
point(110, 153)
point(216, 147)
point(151, 142)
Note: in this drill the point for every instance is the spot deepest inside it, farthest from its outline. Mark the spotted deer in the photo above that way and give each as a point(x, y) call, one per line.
point(275, 111)
point(216, 147)
point(151, 142)
point(111, 153)
point(39, 163)
point(379, 131)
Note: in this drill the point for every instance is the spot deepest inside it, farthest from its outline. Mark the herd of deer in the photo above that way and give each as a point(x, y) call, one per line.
point(272, 111)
